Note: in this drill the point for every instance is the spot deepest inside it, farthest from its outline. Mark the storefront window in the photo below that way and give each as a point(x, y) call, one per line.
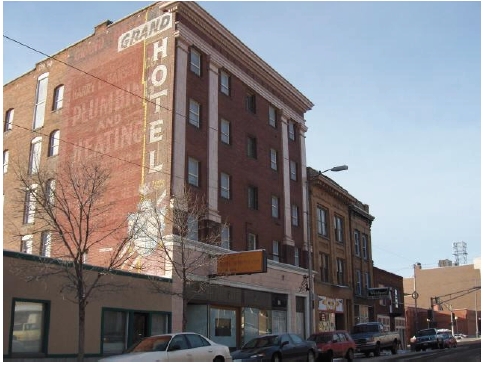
point(114, 328)
point(223, 326)
point(159, 324)
point(279, 321)
point(197, 319)
point(28, 327)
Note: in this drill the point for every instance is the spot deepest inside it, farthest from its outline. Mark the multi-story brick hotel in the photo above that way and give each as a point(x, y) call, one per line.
point(169, 97)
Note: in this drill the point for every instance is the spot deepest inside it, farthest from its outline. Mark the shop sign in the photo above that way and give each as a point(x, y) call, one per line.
point(253, 261)
point(378, 293)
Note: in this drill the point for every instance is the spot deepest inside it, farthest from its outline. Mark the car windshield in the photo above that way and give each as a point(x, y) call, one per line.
point(262, 342)
point(151, 344)
point(321, 338)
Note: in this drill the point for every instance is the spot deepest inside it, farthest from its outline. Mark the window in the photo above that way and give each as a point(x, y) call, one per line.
point(224, 82)
point(252, 241)
point(250, 102)
point(252, 147)
point(193, 172)
point(273, 159)
point(54, 143)
point(7, 126)
point(338, 227)
point(272, 116)
point(29, 319)
point(340, 271)
point(35, 149)
point(297, 257)
point(357, 246)
point(293, 170)
point(58, 98)
point(364, 246)
point(225, 131)
point(5, 161)
point(226, 237)
point(291, 131)
point(367, 281)
point(295, 215)
point(29, 207)
point(195, 62)
point(325, 270)
point(194, 113)
point(26, 244)
point(192, 225)
point(225, 185)
point(39, 111)
point(46, 239)
point(321, 221)
point(253, 198)
point(275, 207)
point(358, 283)
point(50, 191)
point(276, 251)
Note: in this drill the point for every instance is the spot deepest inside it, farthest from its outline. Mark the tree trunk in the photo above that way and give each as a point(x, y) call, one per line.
point(81, 339)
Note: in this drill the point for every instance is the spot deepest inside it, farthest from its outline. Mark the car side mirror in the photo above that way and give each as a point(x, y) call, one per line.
point(284, 343)
point(175, 347)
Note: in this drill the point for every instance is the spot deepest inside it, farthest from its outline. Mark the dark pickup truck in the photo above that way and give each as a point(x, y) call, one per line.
point(428, 338)
point(371, 337)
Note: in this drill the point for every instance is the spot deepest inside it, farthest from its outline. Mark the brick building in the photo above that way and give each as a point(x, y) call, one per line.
point(458, 289)
point(341, 239)
point(170, 98)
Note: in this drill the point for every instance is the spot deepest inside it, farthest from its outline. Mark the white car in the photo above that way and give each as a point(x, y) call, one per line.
point(174, 347)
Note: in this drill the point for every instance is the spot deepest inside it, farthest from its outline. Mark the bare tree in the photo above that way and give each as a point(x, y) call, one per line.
point(70, 211)
point(177, 240)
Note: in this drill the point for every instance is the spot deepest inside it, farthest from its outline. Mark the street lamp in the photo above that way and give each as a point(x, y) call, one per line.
point(311, 280)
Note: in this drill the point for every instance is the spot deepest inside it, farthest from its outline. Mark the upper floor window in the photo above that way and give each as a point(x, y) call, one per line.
point(58, 98)
point(358, 288)
point(194, 118)
point(193, 172)
point(253, 198)
point(293, 170)
point(340, 271)
point(7, 126)
point(357, 246)
point(252, 147)
point(250, 102)
point(275, 207)
point(54, 143)
point(252, 241)
point(50, 191)
point(226, 236)
point(225, 131)
point(276, 251)
point(367, 281)
point(364, 246)
point(35, 150)
point(325, 270)
point(224, 82)
point(295, 215)
point(26, 244)
point(291, 131)
point(192, 225)
point(321, 221)
point(225, 185)
point(297, 257)
point(30, 204)
point(40, 97)
point(5, 161)
point(273, 159)
point(272, 116)
point(46, 239)
point(195, 62)
point(338, 228)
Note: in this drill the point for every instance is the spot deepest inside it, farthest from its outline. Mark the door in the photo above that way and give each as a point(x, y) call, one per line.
point(140, 326)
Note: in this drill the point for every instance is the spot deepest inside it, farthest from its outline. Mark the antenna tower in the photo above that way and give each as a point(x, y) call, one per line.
point(459, 252)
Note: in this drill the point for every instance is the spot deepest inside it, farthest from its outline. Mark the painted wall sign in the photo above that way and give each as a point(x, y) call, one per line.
point(145, 31)
point(331, 305)
point(253, 261)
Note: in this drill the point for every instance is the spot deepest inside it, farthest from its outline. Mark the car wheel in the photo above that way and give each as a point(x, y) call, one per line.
point(350, 355)
point(310, 357)
point(377, 351)
point(329, 357)
point(394, 348)
point(219, 359)
point(367, 354)
point(276, 357)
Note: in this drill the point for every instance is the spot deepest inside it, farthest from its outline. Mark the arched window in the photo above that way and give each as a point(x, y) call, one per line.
point(54, 143)
point(5, 161)
point(58, 97)
point(35, 149)
point(7, 126)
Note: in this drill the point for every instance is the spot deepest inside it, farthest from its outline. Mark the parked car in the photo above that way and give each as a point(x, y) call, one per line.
point(334, 344)
point(277, 347)
point(174, 347)
point(459, 336)
point(448, 340)
point(428, 338)
point(373, 337)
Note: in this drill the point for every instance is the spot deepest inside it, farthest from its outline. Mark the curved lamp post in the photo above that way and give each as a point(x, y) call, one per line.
point(311, 280)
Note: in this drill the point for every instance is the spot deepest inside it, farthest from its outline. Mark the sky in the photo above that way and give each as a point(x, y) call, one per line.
point(396, 88)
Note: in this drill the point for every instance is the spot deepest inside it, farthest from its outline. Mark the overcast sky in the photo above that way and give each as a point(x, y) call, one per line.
point(397, 94)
